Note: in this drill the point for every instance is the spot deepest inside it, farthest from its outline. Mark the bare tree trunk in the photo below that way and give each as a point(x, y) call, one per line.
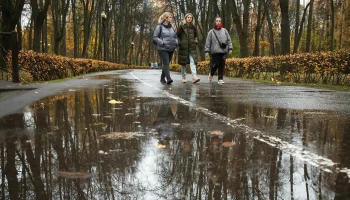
point(332, 26)
point(285, 32)
point(309, 27)
point(342, 19)
point(75, 29)
point(99, 34)
point(107, 33)
point(205, 24)
point(242, 29)
point(270, 26)
point(59, 14)
point(44, 44)
point(296, 28)
point(39, 12)
point(10, 167)
point(89, 8)
point(139, 48)
point(20, 38)
point(263, 39)
point(257, 30)
point(30, 35)
point(342, 185)
point(116, 34)
point(291, 176)
point(272, 172)
point(98, 43)
point(10, 13)
point(300, 32)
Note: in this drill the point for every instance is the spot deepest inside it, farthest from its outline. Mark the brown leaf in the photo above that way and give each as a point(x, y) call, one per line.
point(73, 175)
point(228, 144)
point(217, 132)
point(121, 135)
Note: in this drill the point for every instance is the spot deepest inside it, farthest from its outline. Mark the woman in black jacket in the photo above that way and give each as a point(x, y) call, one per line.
point(187, 36)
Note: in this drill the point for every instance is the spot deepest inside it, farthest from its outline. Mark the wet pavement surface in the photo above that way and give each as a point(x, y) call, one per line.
point(132, 137)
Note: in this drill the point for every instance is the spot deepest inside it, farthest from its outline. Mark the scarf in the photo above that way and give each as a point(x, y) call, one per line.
point(218, 27)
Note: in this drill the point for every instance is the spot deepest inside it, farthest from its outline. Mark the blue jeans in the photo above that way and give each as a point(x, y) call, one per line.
point(192, 66)
point(166, 58)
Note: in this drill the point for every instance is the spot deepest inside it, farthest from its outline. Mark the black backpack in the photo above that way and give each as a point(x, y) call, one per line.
point(160, 33)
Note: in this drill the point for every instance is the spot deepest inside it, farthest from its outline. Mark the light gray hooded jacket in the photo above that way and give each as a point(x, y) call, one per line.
point(167, 39)
point(212, 44)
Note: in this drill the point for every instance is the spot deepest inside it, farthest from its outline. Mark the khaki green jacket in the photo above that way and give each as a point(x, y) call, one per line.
point(187, 37)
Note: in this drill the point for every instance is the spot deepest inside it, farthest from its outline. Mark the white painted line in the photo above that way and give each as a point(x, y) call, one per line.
point(310, 158)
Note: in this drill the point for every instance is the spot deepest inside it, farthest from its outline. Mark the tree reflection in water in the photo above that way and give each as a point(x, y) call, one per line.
point(55, 150)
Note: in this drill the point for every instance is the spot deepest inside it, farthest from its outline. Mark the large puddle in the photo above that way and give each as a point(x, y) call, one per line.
point(112, 143)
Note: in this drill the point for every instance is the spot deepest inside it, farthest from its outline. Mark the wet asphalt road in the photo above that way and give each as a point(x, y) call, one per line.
point(240, 140)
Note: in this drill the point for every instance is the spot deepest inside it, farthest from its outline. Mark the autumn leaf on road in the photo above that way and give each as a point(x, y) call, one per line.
point(114, 102)
point(218, 133)
point(121, 135)
point(228, 144)
point(73, 175)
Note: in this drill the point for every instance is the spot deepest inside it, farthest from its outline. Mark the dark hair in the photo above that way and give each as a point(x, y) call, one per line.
point(214, 25)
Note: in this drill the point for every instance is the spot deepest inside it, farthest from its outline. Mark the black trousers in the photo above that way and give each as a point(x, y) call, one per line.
point(166, 59)
point(217, 62)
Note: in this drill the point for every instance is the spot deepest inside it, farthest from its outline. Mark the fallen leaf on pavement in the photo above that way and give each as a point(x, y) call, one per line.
point(228, 144)
point(121, 135)
point(73, 175)
point(114, 102)
point(160, 146)
point(218, 133)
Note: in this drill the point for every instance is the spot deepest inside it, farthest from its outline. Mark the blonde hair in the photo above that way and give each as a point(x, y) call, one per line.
point(184, 21)
point(164, 16)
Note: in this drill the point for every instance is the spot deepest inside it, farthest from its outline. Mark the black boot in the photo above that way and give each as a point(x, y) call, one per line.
point(169, 81)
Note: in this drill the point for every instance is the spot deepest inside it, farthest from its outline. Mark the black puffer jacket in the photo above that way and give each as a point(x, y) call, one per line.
point(187, 36)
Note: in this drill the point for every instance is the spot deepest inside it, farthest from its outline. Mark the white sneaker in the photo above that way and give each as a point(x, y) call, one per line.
point(195, 80)
point(184, 79)
point(221, 82)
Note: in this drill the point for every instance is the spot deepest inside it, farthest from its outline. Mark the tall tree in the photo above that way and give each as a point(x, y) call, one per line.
point(267, 4)
point(331, 2)
point(10, 13)
point(75, 28)
point(39, 13)
point(296, 27)
point(260, 19)
point(285, 30)
point(242, 26)
point(309, 27)
point(89, 8)
point(300, 30)
point(285, 34)
point(59, 10)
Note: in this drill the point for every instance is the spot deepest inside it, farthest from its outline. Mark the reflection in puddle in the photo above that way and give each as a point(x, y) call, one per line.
point(82, 146)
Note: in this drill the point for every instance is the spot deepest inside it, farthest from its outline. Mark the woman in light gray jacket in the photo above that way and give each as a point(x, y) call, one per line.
point(165, 37)
point(218, 44)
